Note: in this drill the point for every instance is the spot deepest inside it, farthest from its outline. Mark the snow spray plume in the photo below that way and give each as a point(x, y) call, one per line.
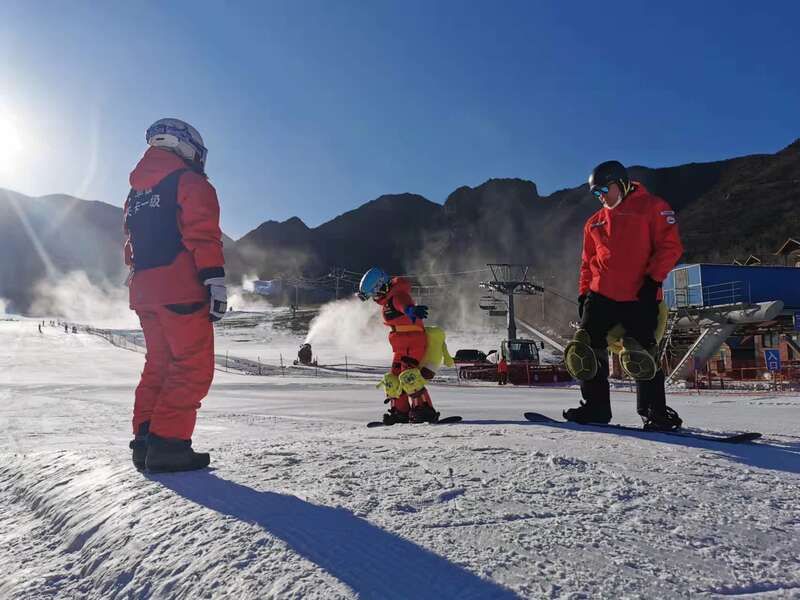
point(275, 260)
point(517, 237)
point(77, 299)
point(353, 327)
point(455, 306)
point(244, 299)
point(248, 282)
point(3, 306)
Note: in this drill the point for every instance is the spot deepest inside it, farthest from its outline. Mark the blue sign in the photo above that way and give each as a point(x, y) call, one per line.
point(797, 321)
point(773, 359)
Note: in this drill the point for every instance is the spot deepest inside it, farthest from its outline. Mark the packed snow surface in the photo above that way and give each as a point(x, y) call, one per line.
point(304, 501)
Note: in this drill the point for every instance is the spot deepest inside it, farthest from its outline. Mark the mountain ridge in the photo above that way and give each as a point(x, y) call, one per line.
point(726, 209)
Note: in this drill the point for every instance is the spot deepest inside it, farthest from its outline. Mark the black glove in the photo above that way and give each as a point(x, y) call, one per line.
point(581, 302)
point(649, 290)
point(419, 311)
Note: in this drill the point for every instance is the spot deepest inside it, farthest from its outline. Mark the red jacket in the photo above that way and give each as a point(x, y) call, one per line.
point(637, 238)
point(394, 304)
point(201, 256)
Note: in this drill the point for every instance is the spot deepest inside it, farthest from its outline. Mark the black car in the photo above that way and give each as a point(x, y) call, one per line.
point(469, 356)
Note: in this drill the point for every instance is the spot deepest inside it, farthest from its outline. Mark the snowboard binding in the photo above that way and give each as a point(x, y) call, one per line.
point(666, 419)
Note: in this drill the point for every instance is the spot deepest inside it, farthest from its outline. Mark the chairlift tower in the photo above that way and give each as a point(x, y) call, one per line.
point(511, 280)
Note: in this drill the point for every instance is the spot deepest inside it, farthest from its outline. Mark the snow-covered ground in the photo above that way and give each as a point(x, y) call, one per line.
point(303, 501)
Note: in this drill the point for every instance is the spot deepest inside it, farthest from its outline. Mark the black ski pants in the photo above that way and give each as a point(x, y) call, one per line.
point(600, 315)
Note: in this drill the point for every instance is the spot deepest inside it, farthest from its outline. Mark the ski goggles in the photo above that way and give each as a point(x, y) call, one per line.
point(599, 190)
point(381, 291)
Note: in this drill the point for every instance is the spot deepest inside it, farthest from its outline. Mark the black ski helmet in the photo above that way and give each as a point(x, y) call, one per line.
point(611, 171)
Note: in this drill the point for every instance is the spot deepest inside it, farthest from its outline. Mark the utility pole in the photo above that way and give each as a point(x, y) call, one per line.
point(511, 280)
point(337, 273)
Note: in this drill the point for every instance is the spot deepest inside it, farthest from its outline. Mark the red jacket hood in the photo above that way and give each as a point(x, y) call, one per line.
point(153, 167)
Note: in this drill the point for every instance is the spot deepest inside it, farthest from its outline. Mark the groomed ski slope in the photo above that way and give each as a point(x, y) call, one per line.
point(305, 502)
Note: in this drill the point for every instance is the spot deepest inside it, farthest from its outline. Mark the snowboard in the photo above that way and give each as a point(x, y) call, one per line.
point(441, 421)
point(734, 438)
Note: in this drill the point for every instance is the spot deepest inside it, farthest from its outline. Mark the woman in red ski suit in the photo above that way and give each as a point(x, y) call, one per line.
point(174, 251)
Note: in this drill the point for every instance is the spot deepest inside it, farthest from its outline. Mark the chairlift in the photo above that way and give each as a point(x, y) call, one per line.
point(488, 302)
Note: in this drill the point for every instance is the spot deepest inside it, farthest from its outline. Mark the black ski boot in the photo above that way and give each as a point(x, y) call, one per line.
point(665, 419)
point(393, 416)
point(165, 455)
point(423, 413)
point(650, 395)
point(588, 413)
point(139, 446)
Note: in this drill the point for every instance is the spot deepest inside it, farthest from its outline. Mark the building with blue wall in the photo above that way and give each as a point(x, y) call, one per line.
point(709, 285)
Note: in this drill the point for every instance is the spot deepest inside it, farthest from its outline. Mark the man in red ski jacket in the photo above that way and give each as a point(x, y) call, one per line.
point(405, 383)
point(177, 288)
point(629, 247)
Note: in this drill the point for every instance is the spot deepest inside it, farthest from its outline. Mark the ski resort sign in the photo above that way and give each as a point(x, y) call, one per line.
point(773, 360)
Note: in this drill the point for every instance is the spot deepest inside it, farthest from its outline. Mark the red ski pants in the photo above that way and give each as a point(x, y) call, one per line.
point(178, 370)
point(407, 345)
point(409, 350)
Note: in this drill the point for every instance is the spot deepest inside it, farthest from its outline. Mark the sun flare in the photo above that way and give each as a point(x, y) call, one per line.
point(12, 146)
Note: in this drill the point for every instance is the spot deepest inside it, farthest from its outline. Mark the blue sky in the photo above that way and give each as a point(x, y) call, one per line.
point(313, 108)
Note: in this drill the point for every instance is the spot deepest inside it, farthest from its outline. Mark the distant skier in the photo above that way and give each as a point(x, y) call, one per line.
point(629, 247)
point(177, 288)
point(406, 393)
point(502, 371)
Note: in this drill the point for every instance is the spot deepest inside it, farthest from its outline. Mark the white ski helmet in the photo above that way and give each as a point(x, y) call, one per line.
point(180, 137)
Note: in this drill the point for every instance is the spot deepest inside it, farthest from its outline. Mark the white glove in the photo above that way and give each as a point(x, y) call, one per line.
point(218, 297)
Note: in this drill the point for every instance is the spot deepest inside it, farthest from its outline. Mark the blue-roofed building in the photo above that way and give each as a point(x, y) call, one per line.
point(708, 285)
point(724, 316)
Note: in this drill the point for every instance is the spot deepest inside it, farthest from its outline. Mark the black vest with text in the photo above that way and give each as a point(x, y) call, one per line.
point(152, 222)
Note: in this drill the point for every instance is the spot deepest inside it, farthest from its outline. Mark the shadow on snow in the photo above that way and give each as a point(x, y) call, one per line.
point(356, 552)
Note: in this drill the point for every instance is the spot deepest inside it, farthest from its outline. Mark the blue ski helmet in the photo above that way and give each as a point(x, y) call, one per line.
point(373, 283)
